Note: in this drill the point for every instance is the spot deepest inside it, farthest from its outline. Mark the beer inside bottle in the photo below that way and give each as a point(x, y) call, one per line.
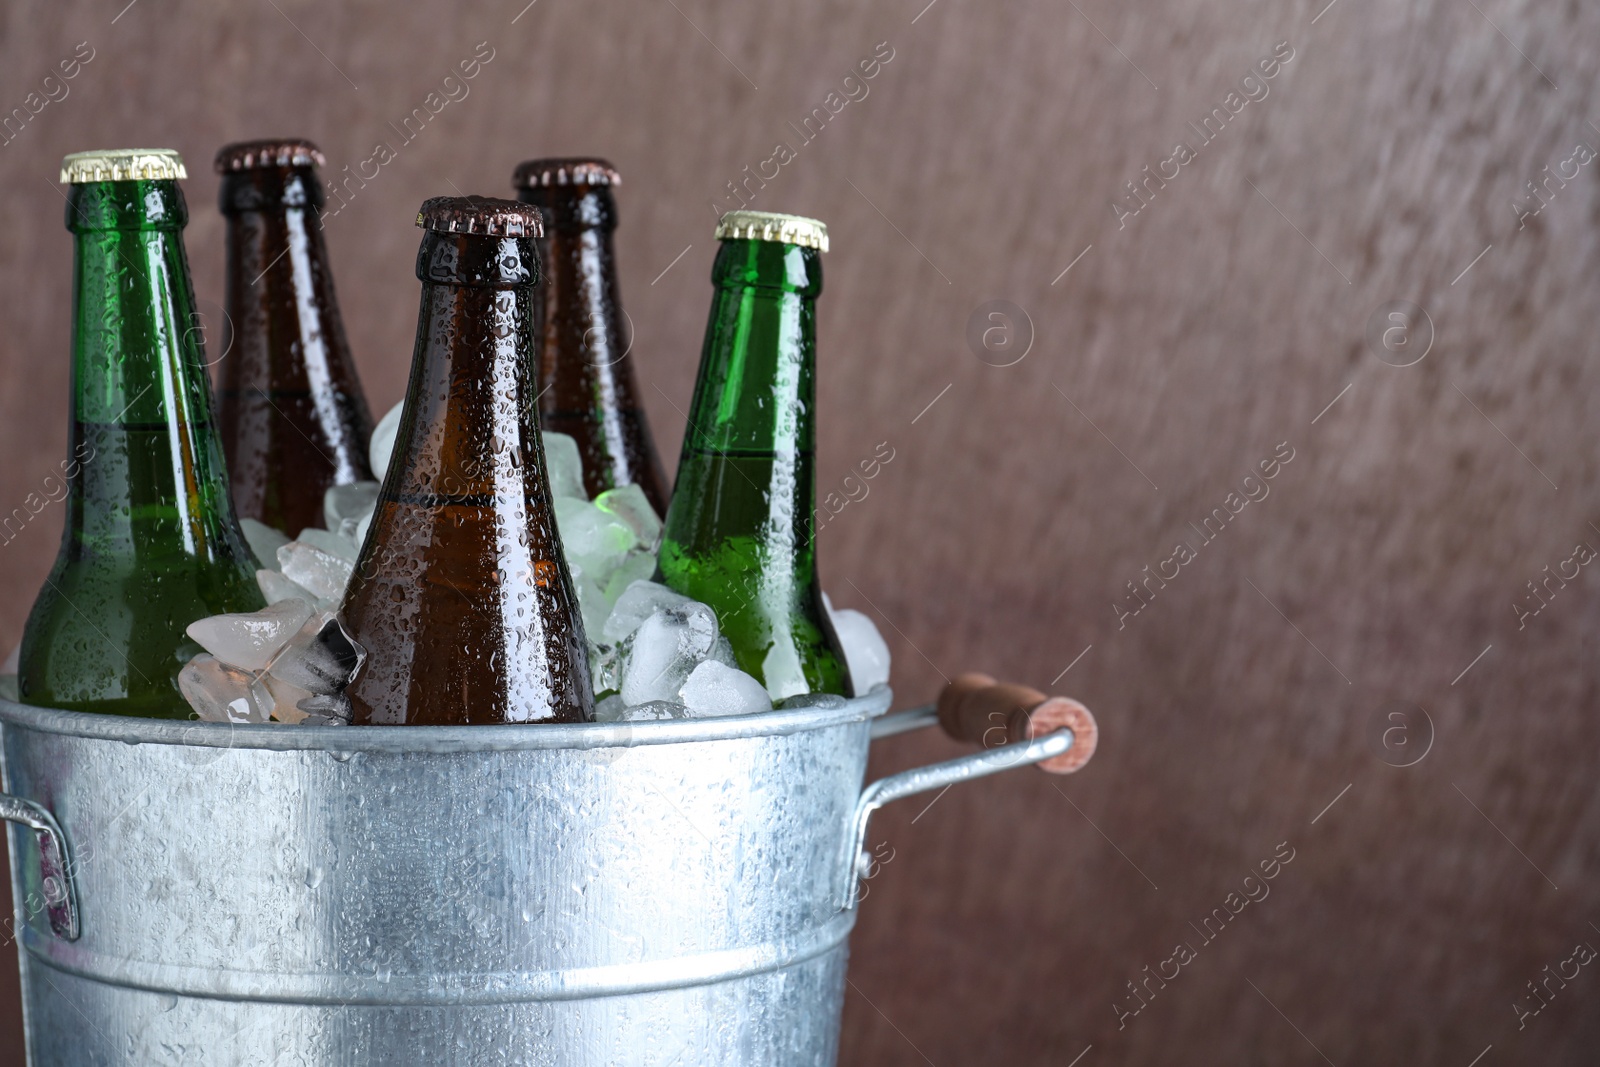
point(586, 381)
point(294, 419)
point(461, 596)
point(738, 532)
point(150, 542)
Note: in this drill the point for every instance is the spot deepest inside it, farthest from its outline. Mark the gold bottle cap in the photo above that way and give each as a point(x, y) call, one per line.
point(122, 165)
point(484, 215)
point(254, 155)
point(771, 226)
point(536, 173)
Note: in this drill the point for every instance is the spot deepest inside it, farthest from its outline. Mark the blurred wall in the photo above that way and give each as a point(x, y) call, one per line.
point(1161, 345)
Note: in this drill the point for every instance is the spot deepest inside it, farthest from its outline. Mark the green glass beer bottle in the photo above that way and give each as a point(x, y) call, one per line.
point(738, 531)
point(586, 383)
point(151, 542)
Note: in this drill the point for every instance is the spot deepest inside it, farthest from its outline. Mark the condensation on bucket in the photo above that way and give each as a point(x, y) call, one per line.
point(658, 893)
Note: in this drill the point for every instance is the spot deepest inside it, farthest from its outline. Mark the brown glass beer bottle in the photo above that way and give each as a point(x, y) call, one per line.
point(461, 597)
point(294, 420)
point(584, 367)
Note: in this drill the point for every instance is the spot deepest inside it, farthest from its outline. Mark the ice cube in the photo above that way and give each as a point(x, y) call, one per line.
point(610, 709)
point(638, 602)
point(595, 540)
point(249, 640)
point(329, 541)
point(813, 700)
point(654, 711)
point(323, 573)
point(592, 603)
point(264, 540)
point(665, 648)
point(563, 466)
point(220, 693)
point(614, 709)
point(782, 670)
point(722, 652)
point(322, 657)
point(348, 503)
point(347, 529)
point(865, 652)
point(638, 565)
point(275, 587)
point(327, 709)
point(713, 689)
point(605, 666)
point(381, 445)
point(282, 698)
point(628, 503)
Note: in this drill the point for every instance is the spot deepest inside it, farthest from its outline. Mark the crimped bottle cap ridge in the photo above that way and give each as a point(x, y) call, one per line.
point(122, 165)
point(771, 226)
point(484, 215)
point(584, 170)
point(277, 152)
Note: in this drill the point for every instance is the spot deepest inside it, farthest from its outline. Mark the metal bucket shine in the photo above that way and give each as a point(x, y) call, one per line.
point(665, 893)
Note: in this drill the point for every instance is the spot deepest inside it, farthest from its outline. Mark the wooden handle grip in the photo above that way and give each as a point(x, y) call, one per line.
point(976, 708)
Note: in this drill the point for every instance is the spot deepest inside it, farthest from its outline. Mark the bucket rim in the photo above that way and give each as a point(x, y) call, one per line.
point(515, 737)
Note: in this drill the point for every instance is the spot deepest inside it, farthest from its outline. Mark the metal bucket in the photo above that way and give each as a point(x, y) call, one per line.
point(665, 893)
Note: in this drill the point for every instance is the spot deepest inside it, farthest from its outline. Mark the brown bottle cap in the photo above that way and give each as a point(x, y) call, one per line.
point(280, 152)
point(485, 215)
point(536, 173)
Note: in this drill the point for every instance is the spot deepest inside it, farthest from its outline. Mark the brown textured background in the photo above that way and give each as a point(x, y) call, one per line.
point(1219, 322)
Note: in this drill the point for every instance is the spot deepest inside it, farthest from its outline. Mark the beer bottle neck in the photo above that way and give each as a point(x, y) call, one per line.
point(277, 254)
point(287, 380)
point(269, 189)
point(586, 381)
point(152, 478)
point(471, 399)
point(135, 336)
point(571, 209)
point(756, 391)
point(583, 339)
point(142, 204)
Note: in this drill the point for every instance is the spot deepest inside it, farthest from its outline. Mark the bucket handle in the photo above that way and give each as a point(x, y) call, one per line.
point(55, 867)
point(1029, 727)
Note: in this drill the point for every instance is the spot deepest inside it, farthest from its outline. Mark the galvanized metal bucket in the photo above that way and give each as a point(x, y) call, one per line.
point(665, 893)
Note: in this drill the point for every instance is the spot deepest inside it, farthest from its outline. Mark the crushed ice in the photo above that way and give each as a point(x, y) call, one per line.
point(654, 654)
